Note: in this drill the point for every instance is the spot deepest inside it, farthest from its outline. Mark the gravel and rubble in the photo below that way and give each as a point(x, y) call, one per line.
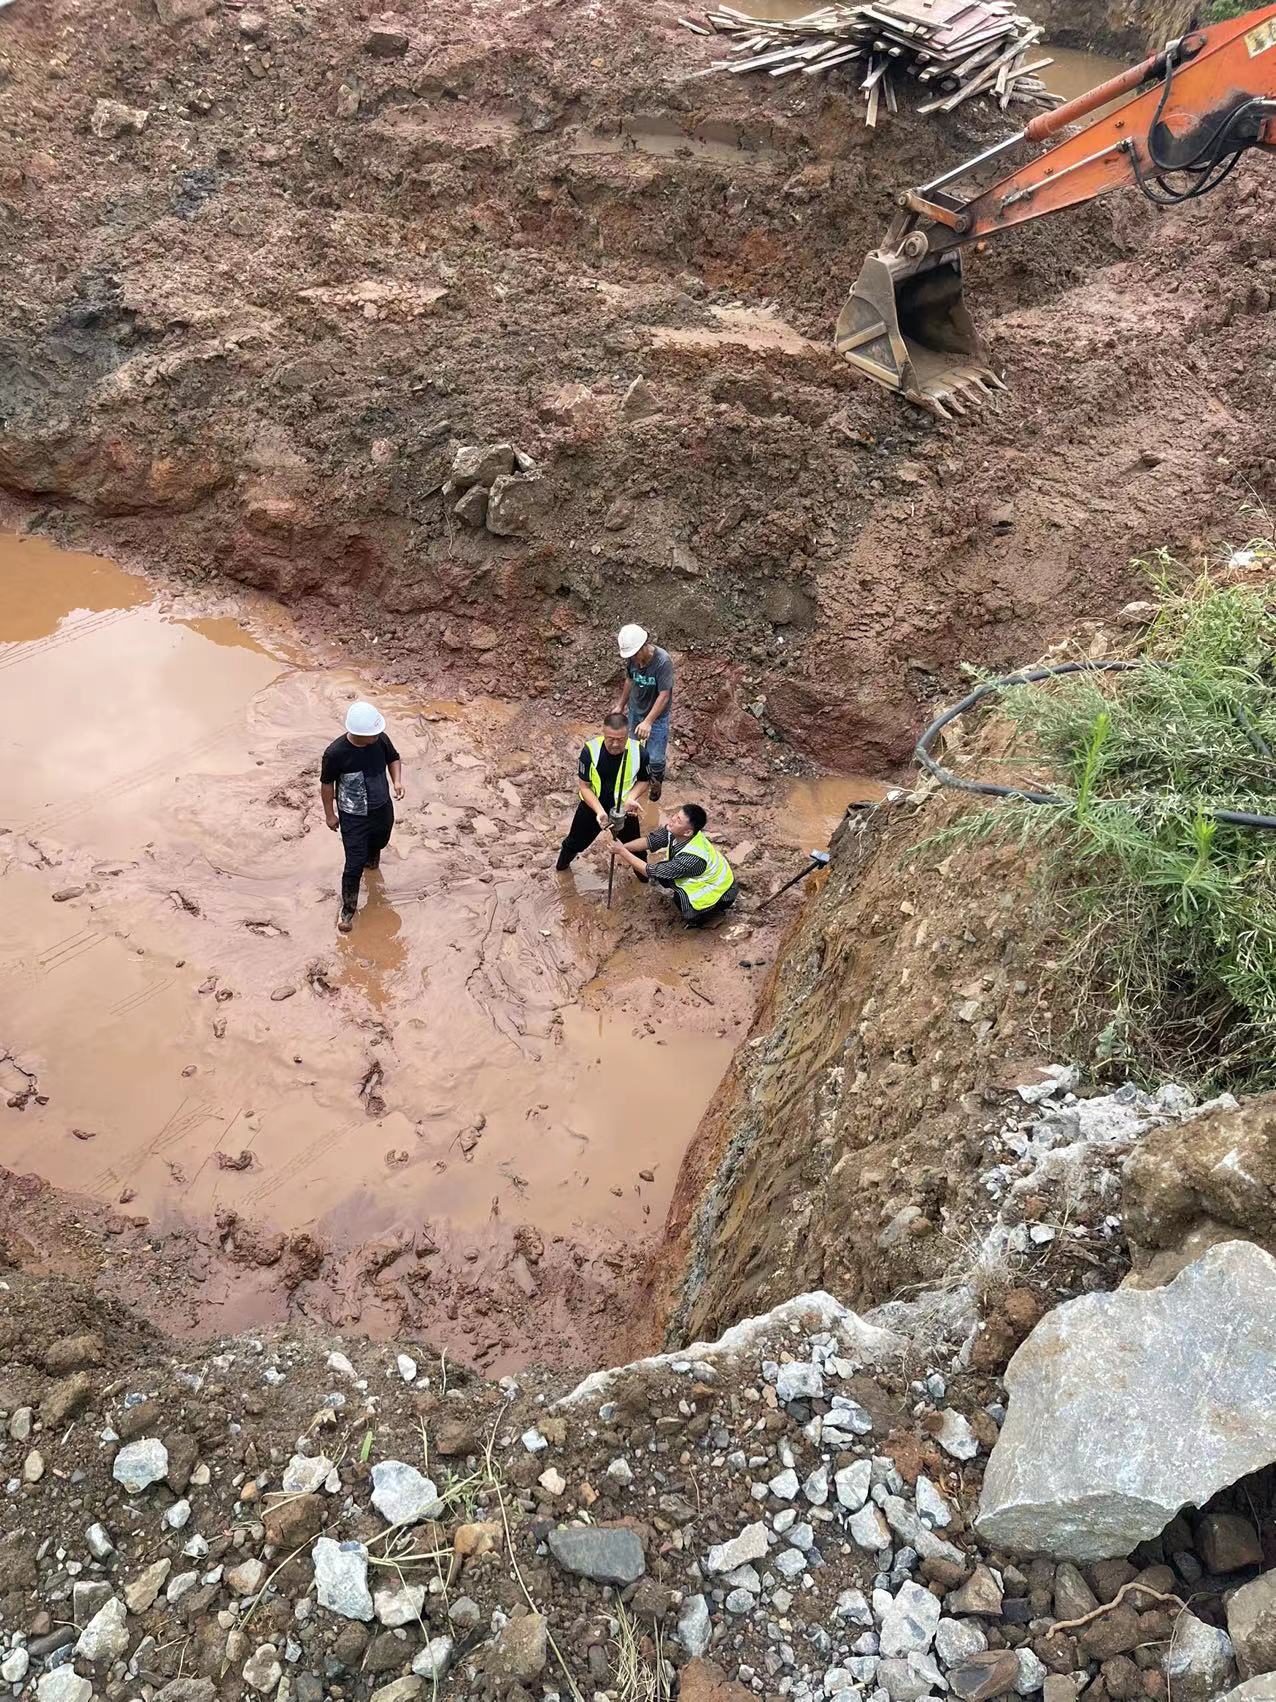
point(709, 1518)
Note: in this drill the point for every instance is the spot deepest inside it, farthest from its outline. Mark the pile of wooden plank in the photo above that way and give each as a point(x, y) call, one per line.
point(953, 49)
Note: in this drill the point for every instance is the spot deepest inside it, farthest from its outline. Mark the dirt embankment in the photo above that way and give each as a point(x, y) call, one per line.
point(246, 338)
point(876, 1132)
point(846, 1145)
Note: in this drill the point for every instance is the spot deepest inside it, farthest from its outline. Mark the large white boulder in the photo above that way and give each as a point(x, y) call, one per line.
point(1125, 1407)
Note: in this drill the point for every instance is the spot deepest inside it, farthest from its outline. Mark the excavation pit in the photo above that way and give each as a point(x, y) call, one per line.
point(470, 1110)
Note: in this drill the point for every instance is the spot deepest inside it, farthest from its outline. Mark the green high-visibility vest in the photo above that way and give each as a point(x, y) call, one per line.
point(705, 890)
point(624, 779)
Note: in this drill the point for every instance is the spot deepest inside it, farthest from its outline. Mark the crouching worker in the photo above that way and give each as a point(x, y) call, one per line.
point(612, 780)
point(692, 871)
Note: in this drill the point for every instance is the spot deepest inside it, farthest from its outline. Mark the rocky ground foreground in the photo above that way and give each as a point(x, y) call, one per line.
point(819, 1505)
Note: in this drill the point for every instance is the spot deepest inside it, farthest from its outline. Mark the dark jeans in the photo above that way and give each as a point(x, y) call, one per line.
point(693, 918)
point(585, 829)
point(365, 838)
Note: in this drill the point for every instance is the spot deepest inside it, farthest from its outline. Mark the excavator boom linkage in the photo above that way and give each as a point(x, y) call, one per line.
point(1186, 115)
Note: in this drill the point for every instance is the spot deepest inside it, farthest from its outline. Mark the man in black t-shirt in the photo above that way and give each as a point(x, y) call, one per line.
point(613, 779)
point(355, 790)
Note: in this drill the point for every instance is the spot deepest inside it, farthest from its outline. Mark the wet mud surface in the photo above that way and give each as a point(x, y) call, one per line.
point(469, 1111)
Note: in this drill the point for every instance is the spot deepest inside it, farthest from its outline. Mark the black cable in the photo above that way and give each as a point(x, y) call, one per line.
point(1030, 676)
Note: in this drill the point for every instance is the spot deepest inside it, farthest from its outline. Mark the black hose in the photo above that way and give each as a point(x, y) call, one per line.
point(1208, 166)
point(1030, 676)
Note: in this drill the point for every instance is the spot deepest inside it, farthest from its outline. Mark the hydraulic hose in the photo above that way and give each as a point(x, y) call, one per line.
point(1031, 676)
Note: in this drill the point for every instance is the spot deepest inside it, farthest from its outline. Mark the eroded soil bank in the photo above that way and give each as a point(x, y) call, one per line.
point(468, 1113)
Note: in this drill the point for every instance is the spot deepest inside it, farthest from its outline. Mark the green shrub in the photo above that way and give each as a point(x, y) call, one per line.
point(1168, 914)
point(1219, 11)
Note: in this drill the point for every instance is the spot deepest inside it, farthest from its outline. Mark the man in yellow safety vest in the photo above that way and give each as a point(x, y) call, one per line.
point(612, 781)
point(693, 871)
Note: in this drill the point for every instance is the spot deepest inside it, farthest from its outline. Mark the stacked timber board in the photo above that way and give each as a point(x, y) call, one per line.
point(952, 49)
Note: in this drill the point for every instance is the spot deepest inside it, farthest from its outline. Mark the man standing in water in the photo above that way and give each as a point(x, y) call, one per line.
point(647, 697)
point(356, 797)
point(611, 782)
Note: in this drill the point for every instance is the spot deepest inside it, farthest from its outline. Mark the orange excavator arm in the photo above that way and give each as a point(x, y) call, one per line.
point(1191, 111)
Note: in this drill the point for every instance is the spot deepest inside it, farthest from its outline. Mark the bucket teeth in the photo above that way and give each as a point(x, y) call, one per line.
point(959, 391)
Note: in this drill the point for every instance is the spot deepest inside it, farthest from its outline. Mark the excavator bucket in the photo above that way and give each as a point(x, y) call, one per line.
point(905, 324)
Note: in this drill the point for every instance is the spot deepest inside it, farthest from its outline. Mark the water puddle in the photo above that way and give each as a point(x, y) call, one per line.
point(213, 1053)
point(1075, 71)
point(663, 137)
point(813, 808)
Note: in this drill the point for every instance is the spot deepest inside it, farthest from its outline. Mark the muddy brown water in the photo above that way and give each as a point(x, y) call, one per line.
point(487, 1048)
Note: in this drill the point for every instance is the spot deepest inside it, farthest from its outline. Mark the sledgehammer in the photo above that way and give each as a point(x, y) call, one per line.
point(819, 860)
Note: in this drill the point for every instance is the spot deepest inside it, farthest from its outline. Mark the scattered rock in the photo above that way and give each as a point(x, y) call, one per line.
point(481, 1537)
point(981, 1593)
point(1077, 1472)
point(105, 1637)
point(74, 1353)
point(303, 1476)
point(909, 1678)
point(608, 1554)
point(403, 1495)
point(799, 1382)
point(246, 1578)
point(433, 1661)
point(453, 1436)
point(142, 1592)
point(13, 1669)
point(1251, 1624)
point(140, 1464)
point(63, 1684)
point(869, 1529)
point(751, 1544)
point(341, 1578)
point(957, 1639)
point(1200, 1663)
point(385, 41)
point(401, 1606)
point(514, 505)
point(1253, 1690)
point(694, 1627)
point(954, 1435)
point(1227, 1542)
point(908, 1625)
point(476, 464)
point(980, 1677)
point(294, 1521)
point(1072, 1595)
point(109, 119)
point(262, 1670)
point(1113, 1633)
point(852, 1484)
point(471, 507)
point(639, 401)
point(521, 1649)
point(702, 1681)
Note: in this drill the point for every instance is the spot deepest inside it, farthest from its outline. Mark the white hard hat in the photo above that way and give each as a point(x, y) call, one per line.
point(364, 721)
point(631, 640)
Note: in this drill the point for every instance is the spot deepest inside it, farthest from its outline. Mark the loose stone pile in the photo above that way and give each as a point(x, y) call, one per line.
point(787, 1506)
